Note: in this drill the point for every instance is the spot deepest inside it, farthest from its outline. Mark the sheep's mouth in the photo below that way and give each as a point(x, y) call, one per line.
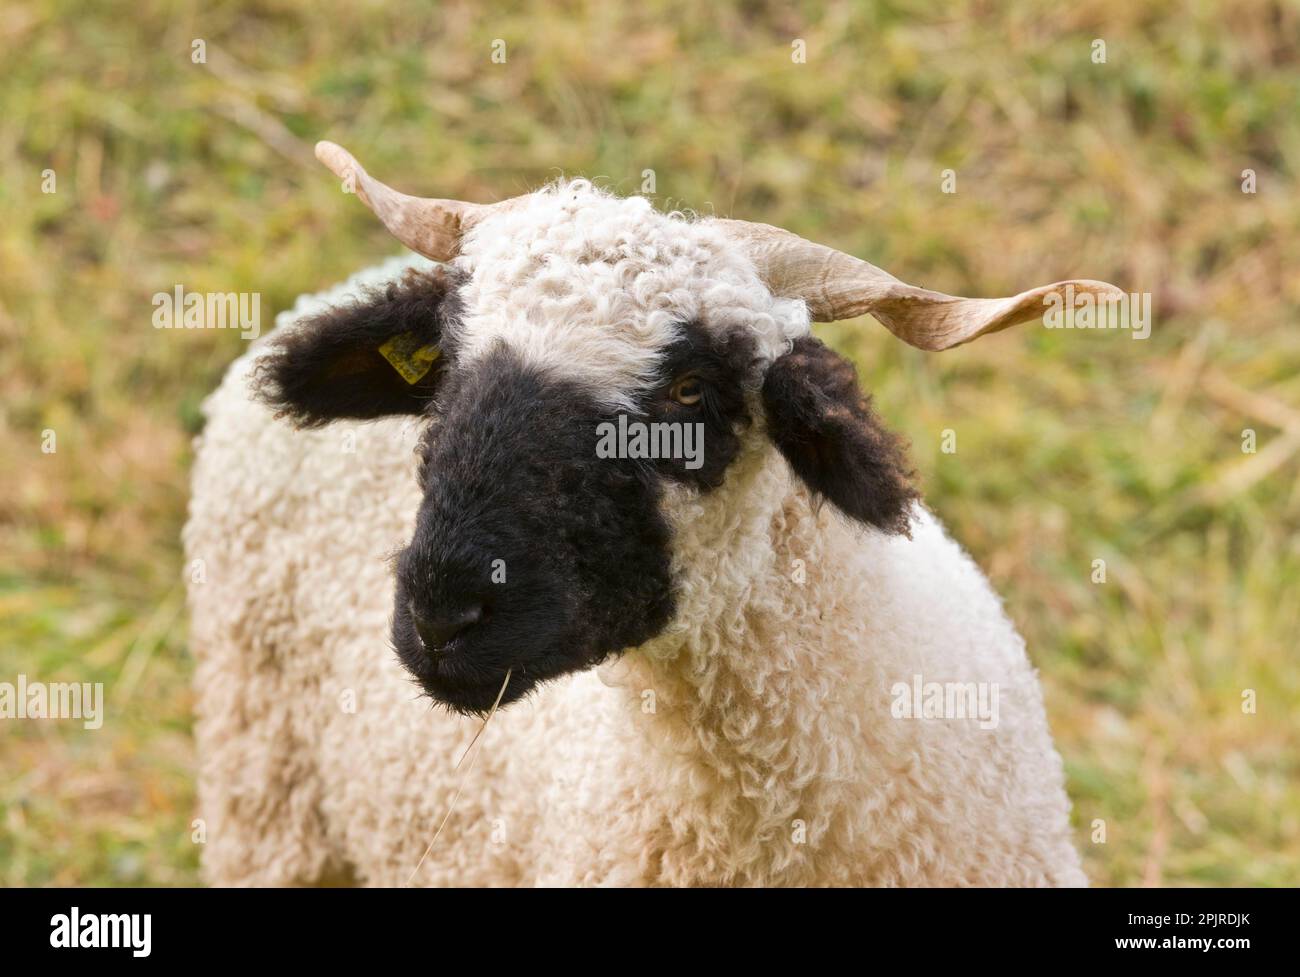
point(467, 672)
point(456, 680)
point(466, 675)
point(470, 687)
point(477, 698)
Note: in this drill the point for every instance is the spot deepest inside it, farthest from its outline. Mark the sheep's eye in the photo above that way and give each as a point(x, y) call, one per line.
point(687, 391)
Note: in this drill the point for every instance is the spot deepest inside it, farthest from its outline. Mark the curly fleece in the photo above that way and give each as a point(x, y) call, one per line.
point(750, 743)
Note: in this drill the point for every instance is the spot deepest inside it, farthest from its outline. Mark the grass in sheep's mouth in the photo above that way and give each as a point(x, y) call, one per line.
point(468, 770)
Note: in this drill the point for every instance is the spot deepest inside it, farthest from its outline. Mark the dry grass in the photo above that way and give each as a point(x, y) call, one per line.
point(1071, 446)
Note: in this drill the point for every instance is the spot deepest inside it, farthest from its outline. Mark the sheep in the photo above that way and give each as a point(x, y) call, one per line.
point(737, 674)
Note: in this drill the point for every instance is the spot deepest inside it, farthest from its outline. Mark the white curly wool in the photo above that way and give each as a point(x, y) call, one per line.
point(761, 740)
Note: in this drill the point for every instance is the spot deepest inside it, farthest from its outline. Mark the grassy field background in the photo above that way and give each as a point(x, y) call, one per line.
point(1072, 446)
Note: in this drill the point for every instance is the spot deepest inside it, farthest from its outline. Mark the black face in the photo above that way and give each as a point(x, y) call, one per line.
point(530, 553)
point(534, 554)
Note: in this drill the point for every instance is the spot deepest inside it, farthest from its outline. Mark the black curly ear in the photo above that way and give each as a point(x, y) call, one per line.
point(825, 427)
point(373, 357)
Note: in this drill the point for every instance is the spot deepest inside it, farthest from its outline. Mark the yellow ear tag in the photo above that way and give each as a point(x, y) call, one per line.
point(408, 357)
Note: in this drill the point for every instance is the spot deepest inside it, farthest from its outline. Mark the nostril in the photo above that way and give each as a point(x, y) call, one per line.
point(438, 630)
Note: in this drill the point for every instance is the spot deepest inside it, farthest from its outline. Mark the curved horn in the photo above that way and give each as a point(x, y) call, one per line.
point(431, 227)
point(839, 286)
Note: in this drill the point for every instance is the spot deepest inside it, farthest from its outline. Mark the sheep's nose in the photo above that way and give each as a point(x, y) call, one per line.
point(437, 631)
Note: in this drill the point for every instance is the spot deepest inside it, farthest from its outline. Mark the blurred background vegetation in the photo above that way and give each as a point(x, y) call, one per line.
point(1072, 446)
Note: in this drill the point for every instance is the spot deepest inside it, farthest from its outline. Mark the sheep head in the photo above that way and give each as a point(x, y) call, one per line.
point(596, 379)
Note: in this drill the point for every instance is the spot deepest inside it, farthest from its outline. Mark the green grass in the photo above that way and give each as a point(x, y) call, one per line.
point(1072, 446)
